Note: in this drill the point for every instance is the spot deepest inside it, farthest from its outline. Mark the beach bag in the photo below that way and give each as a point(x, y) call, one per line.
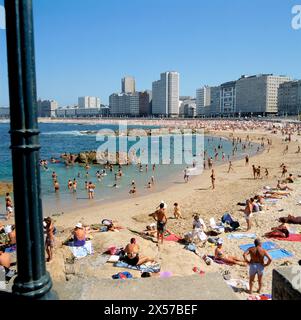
point(212, 240)
point(145, 275)
point(226, 218)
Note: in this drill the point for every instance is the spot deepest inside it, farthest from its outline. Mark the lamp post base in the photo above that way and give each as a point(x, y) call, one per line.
point(40, 289)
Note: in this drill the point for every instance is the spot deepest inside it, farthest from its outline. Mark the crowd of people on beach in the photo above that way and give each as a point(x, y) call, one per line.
point(256, 258)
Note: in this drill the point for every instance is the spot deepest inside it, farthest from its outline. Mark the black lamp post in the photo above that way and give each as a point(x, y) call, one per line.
point(33, 281)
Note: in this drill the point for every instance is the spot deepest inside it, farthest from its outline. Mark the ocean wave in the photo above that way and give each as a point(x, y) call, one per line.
point(67, 133)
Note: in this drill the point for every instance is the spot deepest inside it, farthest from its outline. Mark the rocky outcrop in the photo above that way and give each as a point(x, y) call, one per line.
point(93, 157)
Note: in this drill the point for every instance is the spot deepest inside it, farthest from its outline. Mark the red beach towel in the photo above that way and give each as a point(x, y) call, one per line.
point(169, 236)
point(291, 237)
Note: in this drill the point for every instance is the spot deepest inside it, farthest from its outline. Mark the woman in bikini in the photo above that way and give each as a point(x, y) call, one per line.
point(219, 255)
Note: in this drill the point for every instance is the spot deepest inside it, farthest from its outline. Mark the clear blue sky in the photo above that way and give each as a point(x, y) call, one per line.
point(84, 47)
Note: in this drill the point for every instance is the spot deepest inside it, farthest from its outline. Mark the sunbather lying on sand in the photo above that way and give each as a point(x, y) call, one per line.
point(275, 194)
point(283, 187)
point(278, 232)
point(219, 255)
point(290, 219)
point(151, 230)
point(132, 254)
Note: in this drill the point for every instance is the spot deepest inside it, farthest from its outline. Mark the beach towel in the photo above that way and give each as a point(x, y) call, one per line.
point(242, 236)
point(291, 237)
point(219, 261)
point(271, 200)
point(190, 247)
point(122, 275)
point(280, 254)
point(11, 249)
point(143, 268)
point(268, 245)
point(169, 236)
point(83, 251)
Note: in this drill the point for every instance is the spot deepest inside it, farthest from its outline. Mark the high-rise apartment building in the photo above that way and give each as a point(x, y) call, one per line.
point(166, 95)
point(88, 102)
point(228, 97)
point(122, 104)
point(289, 98)
point(258, 94)
point(203, 100)
point(145, 103)
point(47, 108)
point(128, 85)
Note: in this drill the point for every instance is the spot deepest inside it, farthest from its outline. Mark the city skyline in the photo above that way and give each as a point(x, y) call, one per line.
point(87, 51)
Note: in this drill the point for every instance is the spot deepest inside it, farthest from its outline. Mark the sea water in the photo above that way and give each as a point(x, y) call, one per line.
point(58, 138)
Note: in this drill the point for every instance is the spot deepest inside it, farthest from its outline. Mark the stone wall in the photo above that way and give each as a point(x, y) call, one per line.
point(286, 283)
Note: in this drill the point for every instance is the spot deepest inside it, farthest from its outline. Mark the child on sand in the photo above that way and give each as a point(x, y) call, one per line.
point(177, 212)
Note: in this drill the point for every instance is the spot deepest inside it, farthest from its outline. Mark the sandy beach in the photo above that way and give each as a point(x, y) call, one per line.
point(195, 196)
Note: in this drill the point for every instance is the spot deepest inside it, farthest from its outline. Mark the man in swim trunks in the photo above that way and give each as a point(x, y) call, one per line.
point(49, 242)
point(160, 216)
point(132, 254)
point(248, 213)
point(257, 264)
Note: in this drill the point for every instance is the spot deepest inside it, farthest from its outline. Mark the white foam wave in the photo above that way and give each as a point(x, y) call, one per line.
point(67, 133)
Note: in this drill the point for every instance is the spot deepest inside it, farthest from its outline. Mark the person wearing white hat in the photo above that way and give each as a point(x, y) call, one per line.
point(79, 234)
point(220, 255)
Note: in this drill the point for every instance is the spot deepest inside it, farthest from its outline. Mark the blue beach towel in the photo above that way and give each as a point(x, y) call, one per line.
point(280, 254)
point(143, 268)
point(190, 247)
point(268, 245)
point(242, 236)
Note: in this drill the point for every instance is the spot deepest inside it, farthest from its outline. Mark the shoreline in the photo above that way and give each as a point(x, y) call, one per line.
point(195, 196)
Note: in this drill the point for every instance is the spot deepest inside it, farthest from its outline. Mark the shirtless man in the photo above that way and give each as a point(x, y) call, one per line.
point(160, 216)
point(230, 167)
point(49, 242)
point(256, 263)
point(284, 171)
point(254, 171)
point(248, 213)
point(132, 254)
point(212, 179)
